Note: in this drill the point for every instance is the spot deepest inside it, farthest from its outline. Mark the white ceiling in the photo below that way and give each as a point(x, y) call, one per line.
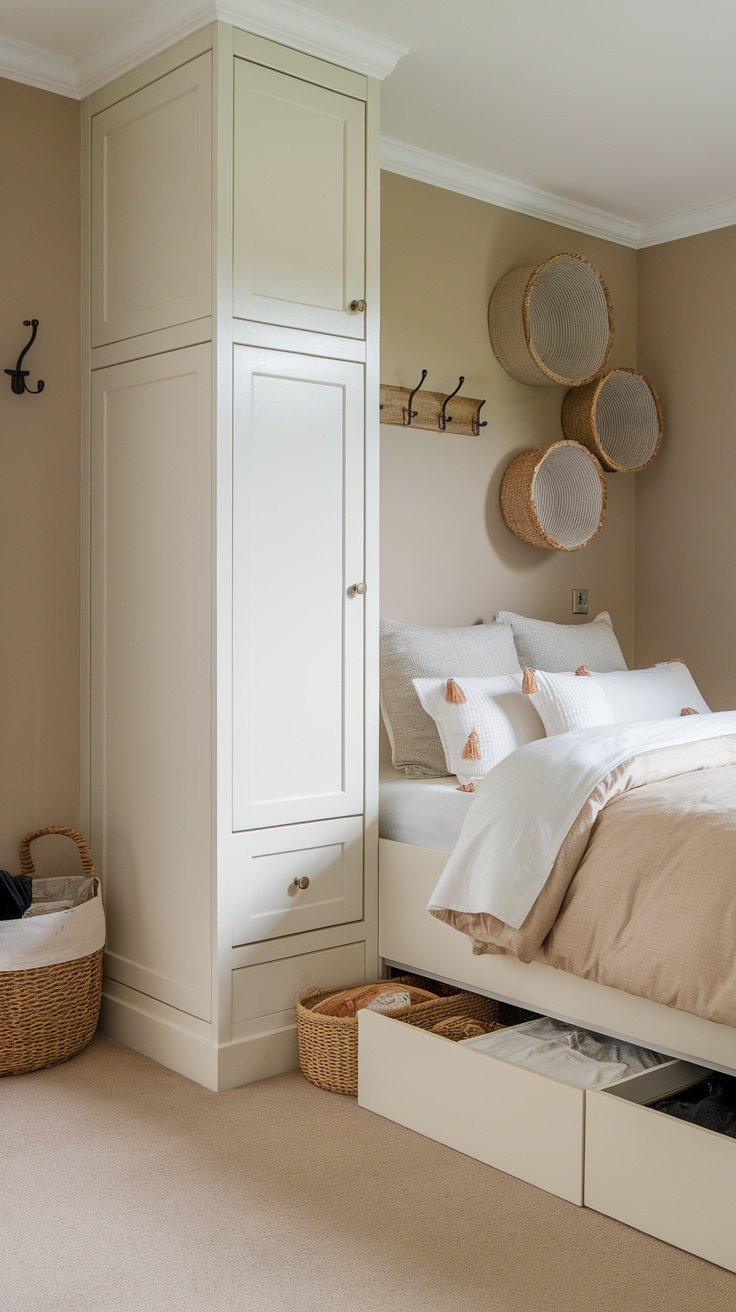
point(614, 118)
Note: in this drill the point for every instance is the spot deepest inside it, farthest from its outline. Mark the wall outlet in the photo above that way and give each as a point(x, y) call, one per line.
point(580, 601)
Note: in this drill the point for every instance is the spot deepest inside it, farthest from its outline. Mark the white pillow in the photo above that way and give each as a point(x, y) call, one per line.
point(479, 721)
point(573, 701)
point(568, 701)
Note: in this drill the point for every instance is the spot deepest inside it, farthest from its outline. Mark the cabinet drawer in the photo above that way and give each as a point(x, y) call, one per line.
point(267, 863)
point(526, 1124)
point(272, 987)
point(661, 1175)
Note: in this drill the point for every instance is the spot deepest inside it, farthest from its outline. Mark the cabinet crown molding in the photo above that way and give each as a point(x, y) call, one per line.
point(169, 21)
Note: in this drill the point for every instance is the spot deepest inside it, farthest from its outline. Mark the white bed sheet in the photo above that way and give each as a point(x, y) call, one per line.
point(424, 812)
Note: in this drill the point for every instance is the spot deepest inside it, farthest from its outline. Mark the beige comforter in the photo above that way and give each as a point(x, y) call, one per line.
point(642, 895)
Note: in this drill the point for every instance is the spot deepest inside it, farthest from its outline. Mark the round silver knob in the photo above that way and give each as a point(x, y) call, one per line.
point(360, 306)
point(358, 589)
point(301, 881)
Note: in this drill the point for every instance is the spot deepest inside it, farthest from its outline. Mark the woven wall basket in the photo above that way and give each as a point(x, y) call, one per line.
point(552, 323)
point(555, 498)
point(618, 417)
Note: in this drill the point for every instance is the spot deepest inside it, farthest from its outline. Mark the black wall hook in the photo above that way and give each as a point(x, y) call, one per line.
point(479, 423)
point(446, 419)
point(18, 376)
point(410, 414)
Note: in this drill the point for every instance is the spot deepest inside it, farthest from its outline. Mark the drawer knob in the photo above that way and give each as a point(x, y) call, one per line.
point(360, 306)
point(301, 881)
point(357, 589)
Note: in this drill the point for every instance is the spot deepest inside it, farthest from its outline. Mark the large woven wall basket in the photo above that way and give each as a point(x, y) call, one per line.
point(618, 417)
point(552, 323)
point(555, 497)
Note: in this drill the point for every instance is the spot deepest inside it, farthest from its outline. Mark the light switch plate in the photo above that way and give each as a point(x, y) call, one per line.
point(580, 601)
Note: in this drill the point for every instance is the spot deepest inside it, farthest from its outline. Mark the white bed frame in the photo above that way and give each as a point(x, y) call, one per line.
point(412, 939)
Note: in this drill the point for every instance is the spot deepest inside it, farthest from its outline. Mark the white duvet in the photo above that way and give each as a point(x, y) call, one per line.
point(524, 807)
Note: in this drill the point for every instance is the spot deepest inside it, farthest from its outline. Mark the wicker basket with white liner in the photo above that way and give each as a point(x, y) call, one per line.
point(555, 497)
point(553, 322)
point(618, 417)
point(50, 974)
point(328, 1045)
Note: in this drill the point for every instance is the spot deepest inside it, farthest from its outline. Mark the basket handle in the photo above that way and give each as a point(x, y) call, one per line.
point(26, 863)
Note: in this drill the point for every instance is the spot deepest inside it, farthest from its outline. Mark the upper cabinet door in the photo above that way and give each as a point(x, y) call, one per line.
point(152, 206)
point(299, 203)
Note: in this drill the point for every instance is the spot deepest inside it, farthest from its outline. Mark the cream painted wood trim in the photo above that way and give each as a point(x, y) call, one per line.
point(301, 341)
point(152, 69)
point(410, 937)
point(281, 58)
point(85, 630)
point(316, 940)
point(176, 338)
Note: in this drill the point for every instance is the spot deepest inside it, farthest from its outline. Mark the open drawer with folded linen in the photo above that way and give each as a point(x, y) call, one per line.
point(526, 1121)
point(670, 1177)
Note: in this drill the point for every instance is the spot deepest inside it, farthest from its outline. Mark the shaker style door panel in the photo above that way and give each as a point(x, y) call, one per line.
point(151, 206)
point(299, 878)
point(299, 203)
point(151, 692)
point(297, 622)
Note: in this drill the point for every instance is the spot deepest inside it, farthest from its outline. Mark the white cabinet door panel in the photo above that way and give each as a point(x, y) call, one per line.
point(299, 203)
point(151, 206)
point(151, 672)
point(297, 625)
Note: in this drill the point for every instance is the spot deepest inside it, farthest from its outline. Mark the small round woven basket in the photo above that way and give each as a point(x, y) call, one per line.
point(328, 1045)
point(618, 417)
point(555, 498)
point(553, 322)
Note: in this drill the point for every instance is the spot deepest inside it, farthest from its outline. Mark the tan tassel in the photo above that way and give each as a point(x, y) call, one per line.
point(583, 669)
point(454, 693)
point(471, 750)
point(466, 788)
point(689, 710)
point(529, 682)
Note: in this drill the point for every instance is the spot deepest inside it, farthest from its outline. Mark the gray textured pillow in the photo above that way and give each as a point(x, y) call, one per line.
point(412, 651)
point(559, 647)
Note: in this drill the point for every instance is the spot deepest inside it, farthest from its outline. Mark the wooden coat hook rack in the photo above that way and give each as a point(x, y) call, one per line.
point(443, 412)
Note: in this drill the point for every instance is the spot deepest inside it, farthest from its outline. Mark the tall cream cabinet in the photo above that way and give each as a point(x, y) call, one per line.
point(230, 673)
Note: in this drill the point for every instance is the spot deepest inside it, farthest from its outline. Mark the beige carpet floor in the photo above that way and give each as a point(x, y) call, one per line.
point(126, 1188)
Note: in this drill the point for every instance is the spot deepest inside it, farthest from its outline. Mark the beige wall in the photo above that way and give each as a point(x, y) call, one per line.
point(39, 465)
point(685, 589)
point(447, 556)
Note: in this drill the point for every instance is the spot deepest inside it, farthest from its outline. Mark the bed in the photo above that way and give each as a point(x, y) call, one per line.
point(421, 821)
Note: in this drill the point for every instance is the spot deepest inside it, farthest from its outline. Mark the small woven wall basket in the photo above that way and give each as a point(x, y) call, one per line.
point(552, 323)
point(49, 1013)
point(555, 498)
point(328, 1045)
point(618, 417)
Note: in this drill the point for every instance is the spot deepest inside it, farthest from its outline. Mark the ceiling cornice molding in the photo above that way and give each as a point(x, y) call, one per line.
point(439, 171)
point(169, 21)
point(688, 223)
point(37, 68)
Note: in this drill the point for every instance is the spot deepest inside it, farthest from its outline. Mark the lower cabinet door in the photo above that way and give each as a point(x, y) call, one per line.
point(667, 1177)
point(271, 987)
point(296, 878)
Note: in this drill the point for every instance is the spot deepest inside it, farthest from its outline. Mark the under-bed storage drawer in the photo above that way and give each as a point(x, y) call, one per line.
point(662, 1175)
point(526, 1124)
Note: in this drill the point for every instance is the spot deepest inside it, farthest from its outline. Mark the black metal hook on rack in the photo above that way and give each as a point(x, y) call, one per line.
point(18, 375)
point(410, 414)
point(446, 419)
point(479, 423)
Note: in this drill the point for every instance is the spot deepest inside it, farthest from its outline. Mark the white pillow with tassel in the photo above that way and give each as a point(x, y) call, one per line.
point(479, 721)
